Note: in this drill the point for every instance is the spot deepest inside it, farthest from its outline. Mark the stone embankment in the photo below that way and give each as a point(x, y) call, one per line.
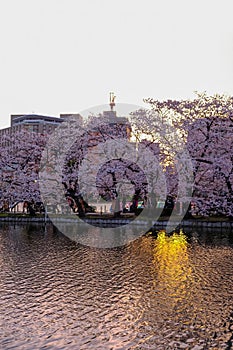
point(160, 224)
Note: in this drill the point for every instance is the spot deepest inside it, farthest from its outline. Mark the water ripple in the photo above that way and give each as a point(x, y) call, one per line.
point(162, 293)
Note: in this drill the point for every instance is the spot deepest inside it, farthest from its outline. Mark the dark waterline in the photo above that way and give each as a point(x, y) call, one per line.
point(155, 293)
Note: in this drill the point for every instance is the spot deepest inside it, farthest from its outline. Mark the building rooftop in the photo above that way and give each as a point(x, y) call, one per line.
point(33, 118)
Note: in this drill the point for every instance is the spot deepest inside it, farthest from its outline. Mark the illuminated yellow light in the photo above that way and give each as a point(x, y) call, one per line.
point(171, 263)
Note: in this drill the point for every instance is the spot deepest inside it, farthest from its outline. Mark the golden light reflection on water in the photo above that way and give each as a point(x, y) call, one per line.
point(172, 265)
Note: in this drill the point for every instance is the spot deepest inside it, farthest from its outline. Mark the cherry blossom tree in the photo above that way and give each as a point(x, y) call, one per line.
point(204, 126)
point(98, 160)
point(210, 144)
point(113, 180)
point(165, 133)
point(19, 164)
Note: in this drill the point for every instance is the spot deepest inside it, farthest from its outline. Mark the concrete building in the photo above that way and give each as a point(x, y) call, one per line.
point(35, 123)
point(32, 123)
point(47, 124)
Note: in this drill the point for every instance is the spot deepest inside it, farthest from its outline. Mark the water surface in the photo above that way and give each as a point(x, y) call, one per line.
point(155, 293)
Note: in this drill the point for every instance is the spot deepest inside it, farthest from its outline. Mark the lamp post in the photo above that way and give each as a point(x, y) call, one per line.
point(45, 204)
point(45, 213)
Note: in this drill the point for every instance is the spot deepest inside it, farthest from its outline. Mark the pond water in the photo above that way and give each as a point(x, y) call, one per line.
point(154, 293)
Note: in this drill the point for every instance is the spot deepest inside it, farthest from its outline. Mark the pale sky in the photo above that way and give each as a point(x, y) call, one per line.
point(64, 56)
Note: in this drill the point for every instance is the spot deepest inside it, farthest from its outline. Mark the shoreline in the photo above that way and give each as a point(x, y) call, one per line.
point(218, 223)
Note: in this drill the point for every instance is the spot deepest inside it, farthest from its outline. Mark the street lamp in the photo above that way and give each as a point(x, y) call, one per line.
point(45, 204)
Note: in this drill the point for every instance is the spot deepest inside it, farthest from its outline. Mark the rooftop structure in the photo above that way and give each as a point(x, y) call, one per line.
point(30, 119)
point(46, 124)
point(121, 124)
point(35, 123)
